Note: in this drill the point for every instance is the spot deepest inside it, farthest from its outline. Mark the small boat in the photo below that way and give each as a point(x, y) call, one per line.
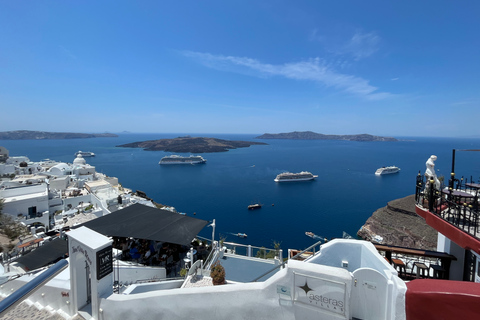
point(314, 236)
point(310, 234)
point(241, 235)
point(254, 206)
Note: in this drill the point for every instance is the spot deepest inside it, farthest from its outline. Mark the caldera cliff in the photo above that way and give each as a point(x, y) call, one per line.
point(399, 225)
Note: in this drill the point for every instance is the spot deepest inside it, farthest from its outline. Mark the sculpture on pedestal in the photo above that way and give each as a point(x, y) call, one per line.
point(430, 172)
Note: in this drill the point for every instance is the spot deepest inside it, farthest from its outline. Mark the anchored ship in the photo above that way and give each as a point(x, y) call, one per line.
point(288, 176)
point(85, 153)
point(175, 159)
point(387, 170)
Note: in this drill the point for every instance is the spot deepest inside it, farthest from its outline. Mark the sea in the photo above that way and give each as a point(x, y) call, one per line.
point(341, 199)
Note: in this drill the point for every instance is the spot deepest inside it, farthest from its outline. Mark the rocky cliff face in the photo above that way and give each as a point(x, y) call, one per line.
point(397, 224)
point(42, 135)
point(309, 135)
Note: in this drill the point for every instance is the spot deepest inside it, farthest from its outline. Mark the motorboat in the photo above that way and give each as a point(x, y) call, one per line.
point(310, 234)
point(241, 235)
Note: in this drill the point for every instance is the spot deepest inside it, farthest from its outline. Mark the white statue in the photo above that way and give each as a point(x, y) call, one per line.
point(430, 172)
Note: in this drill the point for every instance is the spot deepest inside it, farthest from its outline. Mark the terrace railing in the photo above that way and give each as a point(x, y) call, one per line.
point(457, 204)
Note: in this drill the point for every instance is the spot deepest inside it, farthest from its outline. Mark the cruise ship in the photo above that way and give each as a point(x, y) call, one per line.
point(85, 153)
point(387, 170)
point(175, 159)
point(288, 176)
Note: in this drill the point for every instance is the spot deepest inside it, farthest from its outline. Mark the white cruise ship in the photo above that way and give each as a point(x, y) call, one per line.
point(288, 176)
point(387, 170)
point(175, 159)
point(85, 153)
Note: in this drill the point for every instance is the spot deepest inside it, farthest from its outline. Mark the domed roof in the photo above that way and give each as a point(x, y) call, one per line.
point(59, 168)
point(79, 160)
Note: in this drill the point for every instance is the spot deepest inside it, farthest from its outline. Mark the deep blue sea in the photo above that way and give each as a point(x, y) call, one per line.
point(342, 198)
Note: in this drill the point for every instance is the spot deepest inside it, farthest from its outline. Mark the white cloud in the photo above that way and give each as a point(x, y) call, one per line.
point(467, 102)
point(67, 52)
point(363, 45)
point(316, 70)
point(394, 79)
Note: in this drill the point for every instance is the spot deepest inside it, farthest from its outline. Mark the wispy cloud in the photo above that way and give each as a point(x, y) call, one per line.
point(394, 79)
point(468, 102)
point(67, 52)
point(316, 70)
point(359, 46)
point(363, 45)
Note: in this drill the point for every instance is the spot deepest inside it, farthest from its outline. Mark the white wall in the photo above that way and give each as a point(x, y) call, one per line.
point(6, 168)
point(18, 200)
point(300, 291)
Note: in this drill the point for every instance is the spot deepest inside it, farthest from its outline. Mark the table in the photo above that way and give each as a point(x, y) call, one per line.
point(422, 270)
point(473, 185)
point(401, 266)
point(438, 271)
point(458, 193)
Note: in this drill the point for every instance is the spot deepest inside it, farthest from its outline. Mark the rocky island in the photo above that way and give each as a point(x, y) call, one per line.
point(190, 145)
point(309, 135)
point(42, 135)
point(397, 224)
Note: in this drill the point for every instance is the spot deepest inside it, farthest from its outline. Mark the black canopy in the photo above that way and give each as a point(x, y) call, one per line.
point(143, 222)
point(44, 255)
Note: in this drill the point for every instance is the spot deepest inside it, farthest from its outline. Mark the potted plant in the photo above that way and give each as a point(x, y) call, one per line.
point(217, 273)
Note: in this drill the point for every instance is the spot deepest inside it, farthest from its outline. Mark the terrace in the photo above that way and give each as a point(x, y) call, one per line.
point(452, 210)
point(456, 204)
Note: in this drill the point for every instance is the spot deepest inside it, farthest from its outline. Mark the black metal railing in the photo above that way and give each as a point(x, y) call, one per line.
point(457, 204)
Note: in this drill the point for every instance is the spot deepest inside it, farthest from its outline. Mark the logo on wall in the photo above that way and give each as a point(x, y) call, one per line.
point(320, 293)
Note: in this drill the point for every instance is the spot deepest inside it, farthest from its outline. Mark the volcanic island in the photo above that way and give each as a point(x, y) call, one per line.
point(191, 145)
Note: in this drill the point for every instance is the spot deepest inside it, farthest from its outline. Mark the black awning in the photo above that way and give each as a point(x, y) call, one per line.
point(143, 222)
point(48, 253)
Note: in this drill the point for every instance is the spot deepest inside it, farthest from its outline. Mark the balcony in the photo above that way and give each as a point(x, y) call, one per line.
point(452, 211)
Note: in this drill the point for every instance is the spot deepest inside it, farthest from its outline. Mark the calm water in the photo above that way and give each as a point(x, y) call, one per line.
point(345, 194)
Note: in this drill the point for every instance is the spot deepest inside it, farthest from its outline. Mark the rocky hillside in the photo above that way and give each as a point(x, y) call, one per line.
point(399, 225)
point(192, 145)
point(42, 135)
point(309, 135)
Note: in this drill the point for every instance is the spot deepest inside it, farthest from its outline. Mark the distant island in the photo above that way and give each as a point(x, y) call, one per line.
point(309, 135)
point(191, 145)
point(42, 135)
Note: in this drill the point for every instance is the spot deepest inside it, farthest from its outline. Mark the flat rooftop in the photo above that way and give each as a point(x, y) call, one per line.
point(245, 269)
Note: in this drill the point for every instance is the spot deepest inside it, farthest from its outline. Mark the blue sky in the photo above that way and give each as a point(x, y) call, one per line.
point(393, 68)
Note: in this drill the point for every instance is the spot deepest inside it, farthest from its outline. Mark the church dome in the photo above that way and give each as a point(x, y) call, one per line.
point(79, 160)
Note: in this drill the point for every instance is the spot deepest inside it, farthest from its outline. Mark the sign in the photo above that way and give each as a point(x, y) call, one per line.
point(320, 293)
point(284, 290)
point(104, 262)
